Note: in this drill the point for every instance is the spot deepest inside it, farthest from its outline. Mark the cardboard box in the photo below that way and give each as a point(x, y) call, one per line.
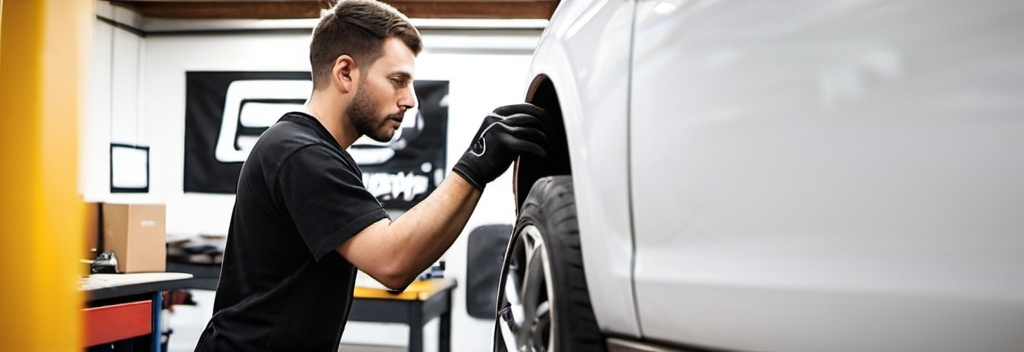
point(137, 234)
point(92, 231)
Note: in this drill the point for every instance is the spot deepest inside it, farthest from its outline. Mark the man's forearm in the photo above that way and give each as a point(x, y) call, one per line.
point(435, 223)
point(396, 252)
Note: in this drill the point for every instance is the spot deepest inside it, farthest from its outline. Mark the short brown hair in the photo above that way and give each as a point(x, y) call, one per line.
point(357, 28)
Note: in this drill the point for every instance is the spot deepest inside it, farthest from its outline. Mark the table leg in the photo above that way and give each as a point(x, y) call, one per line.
point(416, 328)
point(158, 307)
point(444, 326)
point(445, 330)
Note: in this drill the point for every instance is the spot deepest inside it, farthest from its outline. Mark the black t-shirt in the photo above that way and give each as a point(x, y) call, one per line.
point(282, 284)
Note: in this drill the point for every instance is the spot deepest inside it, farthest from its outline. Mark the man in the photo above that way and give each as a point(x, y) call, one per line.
point(303, 221)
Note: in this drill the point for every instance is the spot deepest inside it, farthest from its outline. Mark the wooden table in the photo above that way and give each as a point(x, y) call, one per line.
point(421, 302)
point(124, 309)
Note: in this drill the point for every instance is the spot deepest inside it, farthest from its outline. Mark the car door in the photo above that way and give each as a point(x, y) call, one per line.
point(828, 175)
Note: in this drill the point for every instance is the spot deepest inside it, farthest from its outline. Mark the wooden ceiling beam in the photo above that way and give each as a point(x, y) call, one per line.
point(223, 9)
point(286, 9)
point(510, 9)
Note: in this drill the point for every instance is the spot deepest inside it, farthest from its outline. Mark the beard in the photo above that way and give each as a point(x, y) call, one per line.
point(363, 117)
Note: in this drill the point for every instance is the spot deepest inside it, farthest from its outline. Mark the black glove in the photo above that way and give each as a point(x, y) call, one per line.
point(507, 132)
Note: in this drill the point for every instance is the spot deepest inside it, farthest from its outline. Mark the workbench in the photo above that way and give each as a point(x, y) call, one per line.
point(123, 310)
point(421, 302)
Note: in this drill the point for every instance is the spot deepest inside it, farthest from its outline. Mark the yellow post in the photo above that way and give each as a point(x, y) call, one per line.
point(43, 48)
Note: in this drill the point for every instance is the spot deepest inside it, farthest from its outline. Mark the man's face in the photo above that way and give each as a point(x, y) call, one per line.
point(384, 93)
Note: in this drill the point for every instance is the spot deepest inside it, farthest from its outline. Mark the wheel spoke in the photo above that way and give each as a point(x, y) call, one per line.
point(542, 325)
point(533, 286)
point(512, 285)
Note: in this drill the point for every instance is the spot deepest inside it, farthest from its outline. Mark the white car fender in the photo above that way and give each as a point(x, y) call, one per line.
point(598, 151)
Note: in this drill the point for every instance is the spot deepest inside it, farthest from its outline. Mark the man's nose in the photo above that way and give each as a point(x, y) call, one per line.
point(408, 99)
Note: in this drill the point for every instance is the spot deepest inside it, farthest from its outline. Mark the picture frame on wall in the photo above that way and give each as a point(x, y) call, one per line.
point(129, 168)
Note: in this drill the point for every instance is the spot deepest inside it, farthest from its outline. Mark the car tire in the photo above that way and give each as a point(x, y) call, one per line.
point(543, 301)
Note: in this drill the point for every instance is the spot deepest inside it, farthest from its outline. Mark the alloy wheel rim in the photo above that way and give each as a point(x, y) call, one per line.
point(527, 314)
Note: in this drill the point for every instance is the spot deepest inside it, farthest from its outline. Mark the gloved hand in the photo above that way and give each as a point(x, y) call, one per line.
point(505, 133)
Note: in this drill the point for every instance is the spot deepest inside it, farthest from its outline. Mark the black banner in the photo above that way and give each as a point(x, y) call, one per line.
point(225, 112)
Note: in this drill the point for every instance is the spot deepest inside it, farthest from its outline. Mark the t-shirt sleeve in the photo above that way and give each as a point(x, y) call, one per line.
point(326, 198)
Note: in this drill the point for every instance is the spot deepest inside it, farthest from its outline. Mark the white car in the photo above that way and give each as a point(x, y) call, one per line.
point(817, 175)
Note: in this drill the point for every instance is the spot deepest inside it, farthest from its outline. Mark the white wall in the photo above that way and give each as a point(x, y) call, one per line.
point(138, 96)
point(113, 104)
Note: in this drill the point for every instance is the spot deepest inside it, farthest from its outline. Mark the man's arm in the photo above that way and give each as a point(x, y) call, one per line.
point(396, 252)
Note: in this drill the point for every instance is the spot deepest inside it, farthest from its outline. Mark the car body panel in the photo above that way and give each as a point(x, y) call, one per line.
point(588, 62)
point(828, 175)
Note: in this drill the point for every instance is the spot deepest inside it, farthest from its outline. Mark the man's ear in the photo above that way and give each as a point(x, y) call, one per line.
point(344, 73)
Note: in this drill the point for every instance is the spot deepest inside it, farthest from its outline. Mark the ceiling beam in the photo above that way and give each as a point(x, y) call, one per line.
point(507, 9)
point(289, 9)
point(223, 9)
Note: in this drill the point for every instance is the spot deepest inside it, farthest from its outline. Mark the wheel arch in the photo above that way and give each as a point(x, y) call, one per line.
point(530, 168)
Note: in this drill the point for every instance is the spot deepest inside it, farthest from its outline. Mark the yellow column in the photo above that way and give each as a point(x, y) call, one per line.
point(43, 48)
